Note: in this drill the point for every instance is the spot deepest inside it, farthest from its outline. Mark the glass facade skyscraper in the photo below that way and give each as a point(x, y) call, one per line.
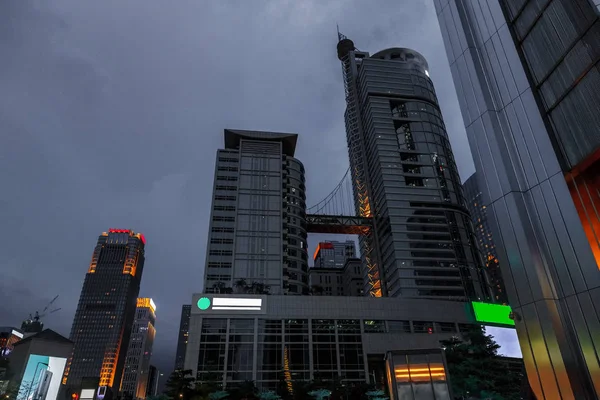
point(137, 363)
point(528, 82)
point(106, 310)
point(258, 218)
point(405, 178)
point(333, 254)
point(485, 238)
point(182, 340)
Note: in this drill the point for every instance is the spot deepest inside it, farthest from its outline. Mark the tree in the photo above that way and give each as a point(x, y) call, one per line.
point(244, 391)
point(475, 369)
point(317, 290)
point(241, 286)
point(179, 385)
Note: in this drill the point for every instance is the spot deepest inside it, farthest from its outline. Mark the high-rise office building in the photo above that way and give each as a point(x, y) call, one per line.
point(333, 254)
point(485, 238)
point(136, 373)
point(153, 375)
point(182, 340)
point(258, 227)
point(106, 310)
point(345, 281)
point(405, 178)
point(528, 83)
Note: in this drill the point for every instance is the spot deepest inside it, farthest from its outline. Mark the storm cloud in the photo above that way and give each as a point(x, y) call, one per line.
point(111, 113)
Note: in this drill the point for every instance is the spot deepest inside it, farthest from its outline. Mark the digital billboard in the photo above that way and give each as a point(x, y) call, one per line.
point(498, 314)
point(42, 377)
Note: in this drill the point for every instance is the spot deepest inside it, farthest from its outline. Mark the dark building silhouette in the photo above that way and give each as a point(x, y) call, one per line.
point(182, 340)
point(106, 310)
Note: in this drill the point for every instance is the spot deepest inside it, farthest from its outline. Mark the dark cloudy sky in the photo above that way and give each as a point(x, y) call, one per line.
point(111, 112)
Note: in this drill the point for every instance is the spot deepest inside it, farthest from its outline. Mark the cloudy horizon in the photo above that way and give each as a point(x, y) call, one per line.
point(111, 114)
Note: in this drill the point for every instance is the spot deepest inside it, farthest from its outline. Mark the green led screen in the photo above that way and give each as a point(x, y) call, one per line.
point(492, 313)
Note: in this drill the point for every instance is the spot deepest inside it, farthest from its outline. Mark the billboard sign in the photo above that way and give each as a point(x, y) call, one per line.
point(495, 314)
point(218, 304)
point(41, 380)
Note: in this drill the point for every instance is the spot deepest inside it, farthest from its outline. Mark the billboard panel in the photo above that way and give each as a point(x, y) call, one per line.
point(41, 380)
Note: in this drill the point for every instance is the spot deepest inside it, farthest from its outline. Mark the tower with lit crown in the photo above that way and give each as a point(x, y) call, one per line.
point(106, 310)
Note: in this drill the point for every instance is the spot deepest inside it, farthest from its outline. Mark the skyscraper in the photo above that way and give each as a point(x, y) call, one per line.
point(182, 340)
point(153, 376)
point(257, 231)
point(485, 238)
point(405, 178)
point(528, 84)
point(106, 310)
point(333, 254)
point(137, 363)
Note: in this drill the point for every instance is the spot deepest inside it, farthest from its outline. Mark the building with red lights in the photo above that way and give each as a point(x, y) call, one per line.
point(333, 254)
point(106, 310)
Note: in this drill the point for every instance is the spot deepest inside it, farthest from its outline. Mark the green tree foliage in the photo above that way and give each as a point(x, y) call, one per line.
point(476, 370)
point(180, 385)
point(244, 391)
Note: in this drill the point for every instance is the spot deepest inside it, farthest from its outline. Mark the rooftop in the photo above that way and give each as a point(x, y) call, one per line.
point(288, 140)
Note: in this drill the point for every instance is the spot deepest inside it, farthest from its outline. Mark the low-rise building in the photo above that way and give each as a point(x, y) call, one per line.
point(268, 339)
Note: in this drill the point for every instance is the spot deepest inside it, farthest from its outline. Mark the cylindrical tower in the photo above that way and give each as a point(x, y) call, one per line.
point(423, 235)
point(295, 273)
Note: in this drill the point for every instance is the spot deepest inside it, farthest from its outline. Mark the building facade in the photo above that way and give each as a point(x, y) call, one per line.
point(182, 340)
point(136, 373)
point(153, 376)
point(106, 310)
point(528, 81)
point(8, 337)
point(345, 281)
point(333, 254)
point(485, 238)
point(405, 178)
point(269, 339)
point(258, 216)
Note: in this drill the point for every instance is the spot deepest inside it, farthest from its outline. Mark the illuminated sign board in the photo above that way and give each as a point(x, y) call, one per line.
point(17, 334)
point(487, 313)
point(230, 304)
point(42, 376)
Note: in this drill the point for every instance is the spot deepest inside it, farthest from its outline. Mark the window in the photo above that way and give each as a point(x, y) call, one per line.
point(220, 253)
point(224, 208)
point(374, 326)
point(221, 241)
point(226, 188)
point(227, 198)
point(218, 218)
point(399, 326)
point(423, 327)
point(227, 178)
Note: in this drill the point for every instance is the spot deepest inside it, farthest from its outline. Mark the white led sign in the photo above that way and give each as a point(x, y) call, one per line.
point(230, 304)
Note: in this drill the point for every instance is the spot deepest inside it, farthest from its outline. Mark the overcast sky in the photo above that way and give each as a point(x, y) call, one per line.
point(111, 113)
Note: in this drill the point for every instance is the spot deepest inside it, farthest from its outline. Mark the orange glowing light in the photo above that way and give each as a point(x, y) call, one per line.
point(322, 245)
point(146, 302)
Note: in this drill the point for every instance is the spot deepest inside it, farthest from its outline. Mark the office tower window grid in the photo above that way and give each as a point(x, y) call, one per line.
point(136, 372)
point(104, 317)
point(257, 238)
point(184, 327)
point(501, 53)
point(483, 232)
point(402, 164)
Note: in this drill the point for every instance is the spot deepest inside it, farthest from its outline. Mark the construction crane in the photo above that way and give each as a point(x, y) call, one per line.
point(33, 323)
